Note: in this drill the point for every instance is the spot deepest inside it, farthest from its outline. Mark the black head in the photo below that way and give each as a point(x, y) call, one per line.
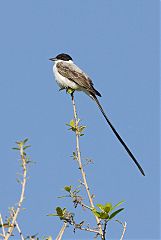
point(62, 56)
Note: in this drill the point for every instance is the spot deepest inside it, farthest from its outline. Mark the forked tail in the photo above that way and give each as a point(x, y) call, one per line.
point(118, 136)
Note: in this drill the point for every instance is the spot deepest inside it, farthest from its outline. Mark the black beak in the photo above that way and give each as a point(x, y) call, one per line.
point(52, 59)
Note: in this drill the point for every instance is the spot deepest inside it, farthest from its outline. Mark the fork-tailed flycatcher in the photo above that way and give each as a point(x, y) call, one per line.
point(68, 75)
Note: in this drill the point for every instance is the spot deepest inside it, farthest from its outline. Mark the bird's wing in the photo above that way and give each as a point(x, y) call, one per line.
point(75, 74)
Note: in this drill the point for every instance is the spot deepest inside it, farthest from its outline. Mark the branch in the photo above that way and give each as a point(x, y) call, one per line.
point(19, 230)
point(104, 230)
point(16, 224)
point(1, 221)
point(59, 237)
point(87, 229)
point(81, 165)
point(16, 212)
point(124, 228)
point(85, 206)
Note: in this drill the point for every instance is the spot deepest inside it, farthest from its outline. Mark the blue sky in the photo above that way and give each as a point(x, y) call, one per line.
point(117, 44)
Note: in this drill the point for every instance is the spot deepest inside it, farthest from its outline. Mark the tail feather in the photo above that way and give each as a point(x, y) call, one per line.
point(118, 136)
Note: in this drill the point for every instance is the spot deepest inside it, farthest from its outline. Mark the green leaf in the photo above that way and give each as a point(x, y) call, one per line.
point(24, 141)
point(115, 213)
point(100, 206)
point(108, 207)
point(74, 156)
point(68, 188)
point(59, 211)
point(64, 196)
point(26, 147)
point(104, 215)
point(53, 215)
point(105, 208)
point(72, 123)
point(14, 148)
point(96, 213)
point(81, 128)
point(118, 204)
point(64, 211)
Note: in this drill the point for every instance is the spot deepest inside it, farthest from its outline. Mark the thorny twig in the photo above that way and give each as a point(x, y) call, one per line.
point(16, 212)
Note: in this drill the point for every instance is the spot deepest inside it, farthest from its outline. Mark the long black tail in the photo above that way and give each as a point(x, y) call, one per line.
point(118, 136)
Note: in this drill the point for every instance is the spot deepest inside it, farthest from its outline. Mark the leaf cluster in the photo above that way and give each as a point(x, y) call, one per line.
point(22, 146)
point(107, 211)
point(64, 215)
point(75, 127)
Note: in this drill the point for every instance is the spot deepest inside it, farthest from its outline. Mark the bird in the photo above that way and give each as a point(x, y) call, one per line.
point(69, 76)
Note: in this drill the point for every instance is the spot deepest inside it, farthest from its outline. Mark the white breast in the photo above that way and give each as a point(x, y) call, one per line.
point(62, 81)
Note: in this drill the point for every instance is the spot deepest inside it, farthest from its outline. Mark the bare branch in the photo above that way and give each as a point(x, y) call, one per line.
point(104, 230)
point(81, 165)
point(124, 228)
point(88, 229)
point(19, 230)
point(84, 205)
point(1, 221)
point(59, 237)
